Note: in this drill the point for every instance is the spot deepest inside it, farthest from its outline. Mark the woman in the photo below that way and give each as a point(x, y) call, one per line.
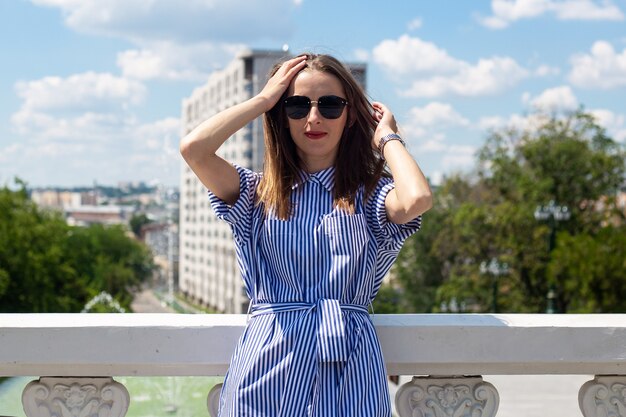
point(315, 234)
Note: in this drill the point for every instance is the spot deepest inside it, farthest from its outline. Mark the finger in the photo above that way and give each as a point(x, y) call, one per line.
point(380, 107)
point(299, 65)
point(287, 66)
point(296, 61)
point(292, 72)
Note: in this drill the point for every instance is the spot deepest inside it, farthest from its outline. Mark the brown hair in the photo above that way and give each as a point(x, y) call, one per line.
point(357, 163)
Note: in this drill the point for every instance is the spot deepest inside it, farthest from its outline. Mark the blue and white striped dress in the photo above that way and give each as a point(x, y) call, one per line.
point(310, 348)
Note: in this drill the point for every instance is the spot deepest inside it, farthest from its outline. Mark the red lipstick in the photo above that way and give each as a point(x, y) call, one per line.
point(314, 134)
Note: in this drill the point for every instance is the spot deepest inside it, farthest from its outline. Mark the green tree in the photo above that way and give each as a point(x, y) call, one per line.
point(590, 270)
point(417, 270)
point(569, 160)
point(107, 259)
point(31, 254)
point(48, 266)
point(137, 222)
point(388, 301)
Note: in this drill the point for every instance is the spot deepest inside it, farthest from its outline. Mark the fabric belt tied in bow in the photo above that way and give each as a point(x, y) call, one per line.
point(331, 333)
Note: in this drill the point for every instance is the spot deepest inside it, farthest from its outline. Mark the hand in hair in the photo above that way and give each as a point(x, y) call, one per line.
point(199, 146)
point(280, 80)
point(386, 122)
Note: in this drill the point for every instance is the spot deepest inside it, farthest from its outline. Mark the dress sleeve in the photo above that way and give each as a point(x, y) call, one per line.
point(239, 215)
point(389, 232)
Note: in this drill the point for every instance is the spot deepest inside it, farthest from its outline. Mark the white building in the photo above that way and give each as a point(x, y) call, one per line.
point(208, 267)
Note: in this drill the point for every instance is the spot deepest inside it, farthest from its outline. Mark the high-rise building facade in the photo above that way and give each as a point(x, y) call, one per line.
point(208, 267)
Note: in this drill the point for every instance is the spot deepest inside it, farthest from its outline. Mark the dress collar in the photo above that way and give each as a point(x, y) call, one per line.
point(325, 177)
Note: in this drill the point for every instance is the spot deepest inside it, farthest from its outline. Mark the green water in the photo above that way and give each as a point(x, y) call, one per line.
point(149, 396)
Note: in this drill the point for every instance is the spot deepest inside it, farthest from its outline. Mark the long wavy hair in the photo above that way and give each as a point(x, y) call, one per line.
point(357, 163)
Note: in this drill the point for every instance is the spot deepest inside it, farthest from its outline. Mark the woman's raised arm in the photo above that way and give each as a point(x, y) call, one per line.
point(199, 146)
point(412, 195)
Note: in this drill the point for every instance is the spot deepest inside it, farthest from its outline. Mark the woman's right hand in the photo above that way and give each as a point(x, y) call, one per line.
point(279, 82)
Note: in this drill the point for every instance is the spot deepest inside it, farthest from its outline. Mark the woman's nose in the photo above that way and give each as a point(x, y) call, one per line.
point(314, 114)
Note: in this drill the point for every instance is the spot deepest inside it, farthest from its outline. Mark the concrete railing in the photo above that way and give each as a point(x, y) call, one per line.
point(77, 355)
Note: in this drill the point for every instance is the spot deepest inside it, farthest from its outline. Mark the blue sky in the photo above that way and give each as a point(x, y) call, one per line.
point(92, 89)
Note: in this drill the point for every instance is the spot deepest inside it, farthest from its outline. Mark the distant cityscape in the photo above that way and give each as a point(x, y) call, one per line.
point(156, 205)
point(108, 204)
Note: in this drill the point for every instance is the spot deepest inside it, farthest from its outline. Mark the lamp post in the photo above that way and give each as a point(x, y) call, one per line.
point(495, 269)
point(552, 213)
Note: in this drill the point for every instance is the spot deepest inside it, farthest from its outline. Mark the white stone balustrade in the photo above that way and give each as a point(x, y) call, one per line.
point(75, 397)
point(82, 352)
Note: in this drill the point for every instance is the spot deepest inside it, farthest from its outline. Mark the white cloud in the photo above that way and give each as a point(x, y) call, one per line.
point(361, 55)
point(94, 90)
point(601, 68)
point(85, 127)
point(491, 122)
point(181, 22)
point(555, 99)
point(458, 160)
point(109, 148)
point(487, 77)
point(614, 123)
point(515, 122)
point(546, 70)
point(427, 128)
point(435, 142)
point(436, 178)
point(8, 153)
point(508, 11)
point(166, 60)
point(155, 135)
point(436, 115)
point(178, 40)
point(561, 99)
point(587, 10)
point(415, 24)
point(425, 70)
point(410, 56)
point(85, 124)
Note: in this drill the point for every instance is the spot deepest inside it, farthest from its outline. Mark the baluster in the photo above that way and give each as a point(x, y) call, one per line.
point(213, 400)
point(603, 396)
point(75, 397)
point(447, 397)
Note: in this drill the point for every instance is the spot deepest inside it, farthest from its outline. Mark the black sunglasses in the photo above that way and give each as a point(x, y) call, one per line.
point(330, 107)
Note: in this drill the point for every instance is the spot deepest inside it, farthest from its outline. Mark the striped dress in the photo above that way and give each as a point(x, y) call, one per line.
point(310, 348)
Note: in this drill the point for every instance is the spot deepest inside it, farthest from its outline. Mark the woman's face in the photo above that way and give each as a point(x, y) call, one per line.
point(316, 137)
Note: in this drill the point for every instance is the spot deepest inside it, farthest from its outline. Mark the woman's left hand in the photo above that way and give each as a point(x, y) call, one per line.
point(386, 122)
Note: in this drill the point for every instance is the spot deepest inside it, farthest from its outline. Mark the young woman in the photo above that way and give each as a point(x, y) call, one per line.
point(315, 234)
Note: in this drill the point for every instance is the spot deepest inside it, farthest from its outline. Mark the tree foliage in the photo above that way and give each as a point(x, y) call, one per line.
point(137, 222)
point(569, 160)
point(48, 266)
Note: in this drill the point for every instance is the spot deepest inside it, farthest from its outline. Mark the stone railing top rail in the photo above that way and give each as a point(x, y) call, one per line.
point(413, 344)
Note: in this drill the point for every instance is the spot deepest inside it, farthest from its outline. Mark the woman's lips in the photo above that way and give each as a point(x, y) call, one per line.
point(314, 135)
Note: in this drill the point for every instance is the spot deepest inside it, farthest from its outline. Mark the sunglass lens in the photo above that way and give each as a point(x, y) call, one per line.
point(331, 107)
point(297, 107)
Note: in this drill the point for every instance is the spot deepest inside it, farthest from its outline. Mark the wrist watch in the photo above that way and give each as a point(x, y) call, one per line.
point(383, 141)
